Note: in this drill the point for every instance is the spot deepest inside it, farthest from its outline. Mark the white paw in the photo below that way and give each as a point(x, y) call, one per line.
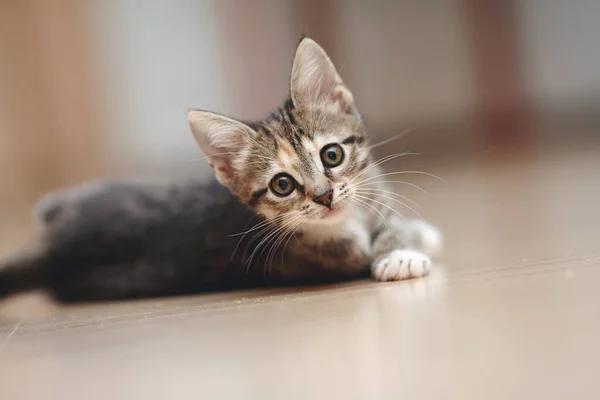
point(401, 264)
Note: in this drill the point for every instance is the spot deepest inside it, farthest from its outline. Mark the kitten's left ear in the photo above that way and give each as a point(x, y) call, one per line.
point(315, 81)
point(221, 139)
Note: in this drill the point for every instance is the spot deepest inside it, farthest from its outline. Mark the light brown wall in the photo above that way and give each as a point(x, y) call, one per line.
point(50, 122)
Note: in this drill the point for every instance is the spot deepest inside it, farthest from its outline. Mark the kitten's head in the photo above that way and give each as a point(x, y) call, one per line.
point(295, 165)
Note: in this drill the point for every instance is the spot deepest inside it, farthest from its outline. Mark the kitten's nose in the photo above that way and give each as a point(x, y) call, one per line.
point(324, 199)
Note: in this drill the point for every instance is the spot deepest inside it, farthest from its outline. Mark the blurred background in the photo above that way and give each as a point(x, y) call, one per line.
point(91, 89)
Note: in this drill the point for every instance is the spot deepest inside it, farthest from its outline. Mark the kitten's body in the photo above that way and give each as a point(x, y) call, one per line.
point(119, 240)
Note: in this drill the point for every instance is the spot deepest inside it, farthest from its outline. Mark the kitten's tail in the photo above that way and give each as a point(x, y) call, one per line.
point(22, 272)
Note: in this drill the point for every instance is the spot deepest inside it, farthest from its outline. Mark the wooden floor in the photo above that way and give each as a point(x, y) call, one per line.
point(512, 313)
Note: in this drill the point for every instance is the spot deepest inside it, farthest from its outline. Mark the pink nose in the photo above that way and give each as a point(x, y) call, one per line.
point(325, 199)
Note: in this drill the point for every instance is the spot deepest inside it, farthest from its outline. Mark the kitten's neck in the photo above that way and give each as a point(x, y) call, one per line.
point(329, 229)
point(321, 229)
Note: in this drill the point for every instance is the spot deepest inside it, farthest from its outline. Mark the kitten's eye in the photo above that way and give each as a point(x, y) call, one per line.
point(283, 185)
point(332, 155)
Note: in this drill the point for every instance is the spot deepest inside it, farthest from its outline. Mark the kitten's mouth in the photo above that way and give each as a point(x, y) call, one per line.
point(332, 212)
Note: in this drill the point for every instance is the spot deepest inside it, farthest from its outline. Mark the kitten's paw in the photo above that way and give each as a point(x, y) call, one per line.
point(401, 264)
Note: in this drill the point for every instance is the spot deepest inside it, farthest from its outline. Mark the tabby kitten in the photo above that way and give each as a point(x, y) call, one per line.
point(299, 201)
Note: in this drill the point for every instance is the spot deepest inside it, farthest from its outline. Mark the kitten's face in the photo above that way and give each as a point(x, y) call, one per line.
point(297, 165)
point(303, 168)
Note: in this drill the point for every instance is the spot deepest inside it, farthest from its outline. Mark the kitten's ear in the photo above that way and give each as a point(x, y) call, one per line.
point(221, 139)
point(315, 80)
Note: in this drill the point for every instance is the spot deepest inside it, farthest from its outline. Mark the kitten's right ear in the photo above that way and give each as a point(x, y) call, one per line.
point(221, 139)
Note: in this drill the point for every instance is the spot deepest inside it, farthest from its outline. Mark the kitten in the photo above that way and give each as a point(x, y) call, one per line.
point(298, 201)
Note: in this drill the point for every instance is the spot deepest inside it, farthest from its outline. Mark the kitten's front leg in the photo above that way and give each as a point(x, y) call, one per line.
point(403, 250)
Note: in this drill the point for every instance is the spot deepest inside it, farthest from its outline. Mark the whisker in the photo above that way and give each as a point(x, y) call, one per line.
point(264, 231)
point(275, 240)
point(386, 141)
point(389, 192)
point(401, 182)
point(256, 227)
point(406, 172)
point(287, 234)
point(281, 233)
point(239, 241)
point(288, 240)
point(383, 204)
point(262, 223)
point(371, 208)
point(397, 201)
point(268, 238)
point(383, 160)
